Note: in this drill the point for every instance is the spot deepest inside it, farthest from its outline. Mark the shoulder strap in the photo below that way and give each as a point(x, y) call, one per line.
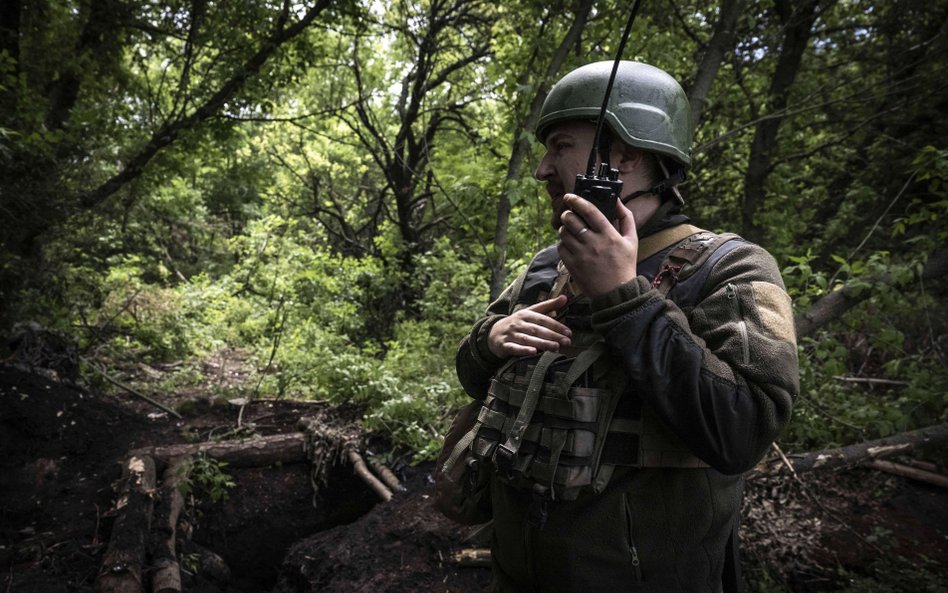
point(517, 287)
point(687, 257)
point(664, 238)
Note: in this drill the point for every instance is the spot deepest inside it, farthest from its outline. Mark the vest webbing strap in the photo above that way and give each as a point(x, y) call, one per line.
point(582, 363)
point(462, 446)
point(652, 244)
point(507, 451)
point(517, 287)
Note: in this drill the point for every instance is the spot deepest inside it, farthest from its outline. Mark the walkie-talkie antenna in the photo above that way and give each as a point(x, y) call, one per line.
point(604, 154)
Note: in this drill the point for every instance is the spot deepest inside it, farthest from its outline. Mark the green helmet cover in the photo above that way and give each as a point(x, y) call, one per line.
point(647, 108)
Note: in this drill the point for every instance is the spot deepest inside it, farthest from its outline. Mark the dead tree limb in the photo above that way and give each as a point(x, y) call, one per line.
point(833, 305)
point(386, 475)
point(872, 382)
point(121, 570)
point(166, 574)
point(858, 453)
point(472, 557)
point(254, 452)
point(909, 472)
point(137, 394)
point(358, 465)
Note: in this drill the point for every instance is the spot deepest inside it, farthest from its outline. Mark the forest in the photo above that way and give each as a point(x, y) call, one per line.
point(264, 200)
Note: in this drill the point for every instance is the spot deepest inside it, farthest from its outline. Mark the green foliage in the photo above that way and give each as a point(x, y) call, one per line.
point(205, 477)
point(893, 335)
point(338, 228)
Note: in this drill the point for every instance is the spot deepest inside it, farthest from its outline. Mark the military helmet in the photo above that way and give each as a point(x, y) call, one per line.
point(647, 108)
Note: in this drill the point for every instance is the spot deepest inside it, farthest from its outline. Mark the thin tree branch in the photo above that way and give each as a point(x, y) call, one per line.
point(169, 132)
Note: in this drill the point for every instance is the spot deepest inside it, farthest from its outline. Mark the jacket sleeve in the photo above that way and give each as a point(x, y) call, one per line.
point(724, 376)
point(474, 362)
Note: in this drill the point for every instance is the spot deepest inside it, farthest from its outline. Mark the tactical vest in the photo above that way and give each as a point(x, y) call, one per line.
point(560, 423)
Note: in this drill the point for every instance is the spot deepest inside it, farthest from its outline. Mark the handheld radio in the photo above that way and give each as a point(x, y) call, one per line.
point(603, 187)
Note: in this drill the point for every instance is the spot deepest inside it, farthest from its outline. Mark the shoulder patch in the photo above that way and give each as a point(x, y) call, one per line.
point(776, 314)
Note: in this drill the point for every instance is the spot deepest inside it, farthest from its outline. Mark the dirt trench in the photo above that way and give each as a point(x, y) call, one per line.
point(62, 452)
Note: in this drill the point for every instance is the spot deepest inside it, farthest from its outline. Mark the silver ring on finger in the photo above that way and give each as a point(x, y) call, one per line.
point(582, 230)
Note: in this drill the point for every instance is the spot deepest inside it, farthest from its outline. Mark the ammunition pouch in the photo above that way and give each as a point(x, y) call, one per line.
point(555, 422)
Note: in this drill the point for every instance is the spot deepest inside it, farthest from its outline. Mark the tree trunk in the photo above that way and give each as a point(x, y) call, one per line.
point(721, 41)
point(798, 19)
point(122, 564)
point(521, 146)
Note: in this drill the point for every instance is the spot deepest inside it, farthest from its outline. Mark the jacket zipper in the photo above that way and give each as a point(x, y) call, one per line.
point(633, 551)
point(741, 325)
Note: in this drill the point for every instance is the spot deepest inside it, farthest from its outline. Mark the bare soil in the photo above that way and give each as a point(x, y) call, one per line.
point(61, 447)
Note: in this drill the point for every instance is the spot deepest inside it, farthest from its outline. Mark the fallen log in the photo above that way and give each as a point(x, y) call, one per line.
point(913, 473)
point(121, 570)
point(858, 453)
point(166, 574)
point(252, 452)
point(263, 451)
point(925, 465)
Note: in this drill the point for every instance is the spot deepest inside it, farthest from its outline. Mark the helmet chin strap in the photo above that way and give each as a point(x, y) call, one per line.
point(667, 190)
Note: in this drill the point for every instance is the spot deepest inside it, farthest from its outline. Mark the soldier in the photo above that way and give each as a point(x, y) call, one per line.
point(633, 372)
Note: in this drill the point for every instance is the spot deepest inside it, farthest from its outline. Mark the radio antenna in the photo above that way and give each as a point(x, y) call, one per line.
point(604, 152)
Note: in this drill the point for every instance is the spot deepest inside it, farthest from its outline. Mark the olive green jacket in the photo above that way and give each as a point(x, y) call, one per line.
point(716, 361)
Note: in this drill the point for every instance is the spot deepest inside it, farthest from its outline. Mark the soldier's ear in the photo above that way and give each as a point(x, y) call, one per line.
point(628, 158)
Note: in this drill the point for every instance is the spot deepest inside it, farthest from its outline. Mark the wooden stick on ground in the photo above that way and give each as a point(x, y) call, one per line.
point(909, 472)
point(925, 465)
point(137, 394)
point(121, 570)
point(472, 557)
point(166, 574)
point(386, 475)
point(872, 382)
point(358, 465)
point(860, 452)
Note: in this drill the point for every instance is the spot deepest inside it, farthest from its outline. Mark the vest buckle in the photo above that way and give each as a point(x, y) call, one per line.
point(504, 458)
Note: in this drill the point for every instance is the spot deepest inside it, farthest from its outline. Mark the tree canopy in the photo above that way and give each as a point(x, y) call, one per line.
point(337, 188)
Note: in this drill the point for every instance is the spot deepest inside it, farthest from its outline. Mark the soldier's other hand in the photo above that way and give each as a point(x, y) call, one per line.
point(529, 331)
point(599, 256)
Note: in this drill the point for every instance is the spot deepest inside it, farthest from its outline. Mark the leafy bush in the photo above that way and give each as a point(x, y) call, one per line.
point(205, 477)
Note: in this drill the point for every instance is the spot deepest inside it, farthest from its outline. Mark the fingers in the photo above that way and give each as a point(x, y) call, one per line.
point(581, 214)
point(549, 305)
point(626, 222)
point(529, 331)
